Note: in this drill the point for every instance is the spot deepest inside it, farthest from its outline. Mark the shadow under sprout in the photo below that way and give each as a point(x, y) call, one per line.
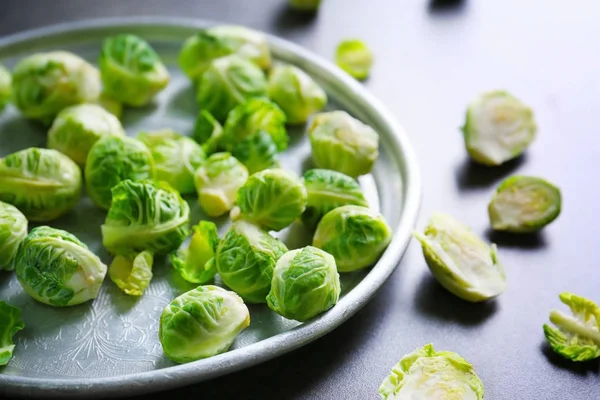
point(534, 240)
point(579, 368)
point(445, 6)
point(471, 175)
point(287, 19)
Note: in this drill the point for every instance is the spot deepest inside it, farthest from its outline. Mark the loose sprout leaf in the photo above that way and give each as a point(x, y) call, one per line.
point(192, 261)
point(5, 86)
point(13, 229)
point(10, 324)
point(132, 274)
point(208, 132)
point(257, 152)
point(354, 57)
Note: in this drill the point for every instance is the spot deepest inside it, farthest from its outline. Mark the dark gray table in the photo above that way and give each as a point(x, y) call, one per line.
point(431, 60)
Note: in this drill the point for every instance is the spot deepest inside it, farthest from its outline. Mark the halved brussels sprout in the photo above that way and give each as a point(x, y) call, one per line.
point(298, 95)
point(429, 374)
point(524, 204)
point(44, 184)
point(354, 57)
point(305, 5)
point(56, 268)
point(110, 104)
point(355, 236)
point(343, 143)
point(326, 190)
point(245, 260)
point(217, 183)
point(13, 229)
point(272, 199)
point(460, 261)
point(305, 284)
point(227, 82)
point(202, 323)
point(75, 130)
point(10, 324)
point(208, 132)
point(192, 262)
point(5, 86)
point(145, 215)
point(133, 273)
point(113, 159)
point(131, 71)
point(575, 337)
point(257, 152)
point(498, 128)
point(176, 158)
point(45, 83)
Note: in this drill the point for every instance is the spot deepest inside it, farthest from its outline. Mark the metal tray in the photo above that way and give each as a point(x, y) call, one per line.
point(110, 346)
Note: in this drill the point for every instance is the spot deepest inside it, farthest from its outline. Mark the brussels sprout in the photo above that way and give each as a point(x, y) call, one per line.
point(296, 93)
point(354, 57)
point(305, 5)
point(145, 215)
point(272, 199)
point(56, 268)
point(10, 324)
point(575, 337)
point(202, 323)
point(245, 260)
point(208, 132)
point(227, 82)
point(131, 71)
point(133, 273)
point(5, 86)
point(45, 83)
point(192, 262)
point(326, 190)
point(110, 104)
point(257, 152)
point(524, 204)
point(44, 184)
point(13, 229)
point(252, 116)
point(217, 182)
point(343, 143)
point(112, 160)
point(355, 236)
point(498, 128)
point(305, 284)
point(460, 261)
point(75, 130)
point(429, 374)
point(176, 158)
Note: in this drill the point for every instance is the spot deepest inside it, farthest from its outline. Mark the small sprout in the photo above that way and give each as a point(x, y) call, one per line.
point(113, 159)
point(257, 152)
point(5, 86)
point(343, 143)
point(272, 199)
point(131, 71)
point(524, 204)
point(305, 284)
point(202, 323)
point(245, 260)
point(207, 132)
point(305, 5)
point(460, 261)
point(13, 230)
point(354, 57)
point(192, 261)
point(133, 273)
point(56, 268)
point(176, 158)
point(355, 236)
point(498, 128)
point(10, 324)
point(575, 337)
point(77, 128)
point(429, 374)
point(145, 215)
point(298, 95)
point(111, 105)
point(217, 183)
point(43, 184)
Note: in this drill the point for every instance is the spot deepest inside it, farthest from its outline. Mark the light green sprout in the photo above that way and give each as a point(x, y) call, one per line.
point(10, 324)
point(208, 132)
point(245, 260)
point(56, 268)
point(133, 273)
point(305, 5)
point(257, 152)
point(131, 71)
point(77, 128)
point(354, 57)
point(5, 86)
point(575, 337)
point(176, 158)
point(113, 159)
point(498, 128)
point(146, 215)
point(110, 104)
point(13, 229)
point(524, 204)
point(192, 261)
point(202, 323)
point(217, 183)
point(305, 284)
point(298, 95)
point(429, 374)
point(355, 236)
point(343, 143)
point(44, 184)
point(460, 261)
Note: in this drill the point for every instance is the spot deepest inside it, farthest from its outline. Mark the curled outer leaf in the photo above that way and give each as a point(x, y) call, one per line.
point(5, 86)
point(132, 274)
point(208, 132)
point(10, 324)
point(192, 261)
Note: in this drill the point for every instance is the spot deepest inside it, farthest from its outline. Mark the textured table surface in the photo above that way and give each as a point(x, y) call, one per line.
point(431, 59)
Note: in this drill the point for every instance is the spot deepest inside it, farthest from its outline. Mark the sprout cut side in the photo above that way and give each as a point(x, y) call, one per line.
point(354, 57)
